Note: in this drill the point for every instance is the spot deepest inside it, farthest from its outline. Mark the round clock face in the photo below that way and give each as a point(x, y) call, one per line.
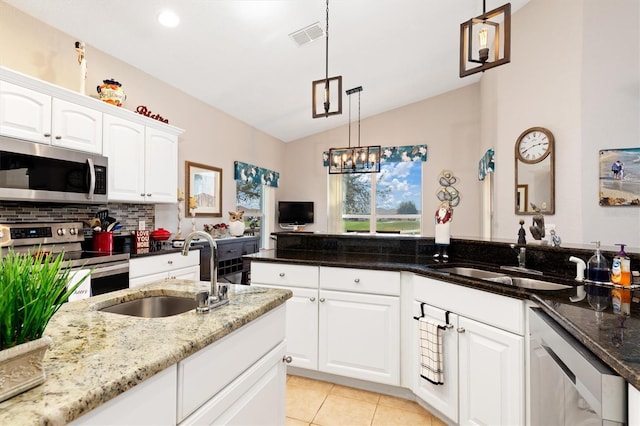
point(534, 144)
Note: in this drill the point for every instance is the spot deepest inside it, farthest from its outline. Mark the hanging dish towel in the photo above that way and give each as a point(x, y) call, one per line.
point(431, 338)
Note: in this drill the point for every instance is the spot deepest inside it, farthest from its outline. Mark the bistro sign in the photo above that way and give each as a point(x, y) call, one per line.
point(142, 110)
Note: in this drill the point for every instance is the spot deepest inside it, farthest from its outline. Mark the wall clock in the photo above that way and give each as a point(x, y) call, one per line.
point(534, 144)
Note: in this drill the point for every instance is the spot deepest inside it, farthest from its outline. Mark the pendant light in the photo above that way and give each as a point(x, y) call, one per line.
point(485, 41)
point(360, 159)
point(327, 93)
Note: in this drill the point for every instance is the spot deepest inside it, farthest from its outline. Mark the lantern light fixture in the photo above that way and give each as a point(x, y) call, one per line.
point(485, 41)
point(360, 159)
point(327, 92)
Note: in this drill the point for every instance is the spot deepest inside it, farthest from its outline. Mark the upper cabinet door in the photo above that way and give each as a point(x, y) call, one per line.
point(161, 166)
point(76, 127)
point(124, 145)
point(25, 113)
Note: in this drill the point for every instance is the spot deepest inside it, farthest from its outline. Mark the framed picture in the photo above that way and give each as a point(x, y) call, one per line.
point(619, 171)
point(522, 198)
point(203, 185)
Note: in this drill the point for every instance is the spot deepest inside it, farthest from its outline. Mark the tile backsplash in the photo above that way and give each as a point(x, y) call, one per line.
point(127, 214)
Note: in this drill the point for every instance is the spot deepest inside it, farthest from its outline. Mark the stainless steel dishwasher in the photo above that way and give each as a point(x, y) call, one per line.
point(570, 385)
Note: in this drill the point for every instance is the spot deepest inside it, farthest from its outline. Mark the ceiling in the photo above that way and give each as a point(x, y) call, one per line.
point(237, 56)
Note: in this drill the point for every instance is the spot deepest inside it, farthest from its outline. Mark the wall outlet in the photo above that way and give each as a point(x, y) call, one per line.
point(141, 225)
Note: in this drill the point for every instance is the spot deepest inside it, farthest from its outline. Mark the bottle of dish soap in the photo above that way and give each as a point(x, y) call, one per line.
point(598, 267)
point(621, 275)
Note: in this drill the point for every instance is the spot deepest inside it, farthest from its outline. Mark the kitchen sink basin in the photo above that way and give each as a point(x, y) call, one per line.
point(501, 278)
point(153, 306)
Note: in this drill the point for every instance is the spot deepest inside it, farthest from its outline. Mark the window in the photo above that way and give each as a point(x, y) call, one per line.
point(395, 206)
point(249, 198)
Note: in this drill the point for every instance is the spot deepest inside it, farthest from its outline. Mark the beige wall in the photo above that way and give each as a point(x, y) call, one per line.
point(211, 136)
point(448, 124)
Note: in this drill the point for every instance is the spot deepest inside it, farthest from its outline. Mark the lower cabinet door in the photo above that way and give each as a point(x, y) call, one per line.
point(491, 374)
point(256, 397)
point(359, 336)
point(444, 397)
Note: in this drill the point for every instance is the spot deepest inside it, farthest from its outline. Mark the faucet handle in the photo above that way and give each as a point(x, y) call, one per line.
point(223, 291)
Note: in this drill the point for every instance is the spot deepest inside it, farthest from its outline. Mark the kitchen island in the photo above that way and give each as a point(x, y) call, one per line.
point(97, 356)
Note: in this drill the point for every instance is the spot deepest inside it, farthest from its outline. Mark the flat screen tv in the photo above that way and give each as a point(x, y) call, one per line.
point(295, 212)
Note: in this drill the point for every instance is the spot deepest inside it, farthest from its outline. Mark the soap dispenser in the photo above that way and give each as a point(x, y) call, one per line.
point(597, 284)
point(621, 275)
point(598, 267)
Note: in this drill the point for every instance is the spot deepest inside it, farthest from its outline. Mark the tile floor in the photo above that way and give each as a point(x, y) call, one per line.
point(313, 402)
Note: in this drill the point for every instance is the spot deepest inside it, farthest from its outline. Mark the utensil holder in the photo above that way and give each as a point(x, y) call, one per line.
point(103, 241)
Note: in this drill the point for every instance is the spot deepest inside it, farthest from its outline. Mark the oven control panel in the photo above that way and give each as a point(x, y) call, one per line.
point(33, 234)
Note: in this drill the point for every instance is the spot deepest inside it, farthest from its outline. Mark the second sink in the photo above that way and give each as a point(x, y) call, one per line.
point(153, 306)
point(497, 277)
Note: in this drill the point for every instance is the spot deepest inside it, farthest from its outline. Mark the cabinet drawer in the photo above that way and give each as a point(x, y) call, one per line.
point(162, 263)
point(283, 274)
point(230, 250)
point(360, 280)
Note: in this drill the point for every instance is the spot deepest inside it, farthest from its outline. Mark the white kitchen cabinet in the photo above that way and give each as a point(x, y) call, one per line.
point(302, 308)
point(151, 268)
point(359, 336)
point(491, 374)
point(32, 115)
point(25, 113)
point(634, 405)
point(152, 402)
point(488, 372)
point(143, 162)
point(353, 331)
point(76, 127)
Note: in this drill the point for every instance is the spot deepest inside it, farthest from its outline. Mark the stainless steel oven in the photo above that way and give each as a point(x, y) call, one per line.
point(108, 271)
point(570, 385)
point(37, 172)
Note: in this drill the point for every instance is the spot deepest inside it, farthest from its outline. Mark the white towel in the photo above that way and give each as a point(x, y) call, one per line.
point(431, 367)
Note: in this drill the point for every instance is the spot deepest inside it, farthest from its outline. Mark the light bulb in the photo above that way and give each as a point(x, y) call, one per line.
point(483, 36)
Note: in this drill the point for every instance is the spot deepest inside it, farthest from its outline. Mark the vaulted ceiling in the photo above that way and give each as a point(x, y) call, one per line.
point(238, 56)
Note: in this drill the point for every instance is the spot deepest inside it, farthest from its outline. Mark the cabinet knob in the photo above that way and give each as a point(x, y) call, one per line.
point(357, 280)
point(142, 194)
point(287, 359)
point(313, 299)
point(58, 137)
point(281, 274)
point(461, 330)
point(148, 194)
point(170, 262)
point(47, 135)
point(322, 299)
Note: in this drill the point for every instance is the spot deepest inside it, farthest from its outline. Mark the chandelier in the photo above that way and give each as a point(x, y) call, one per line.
point(360, 159)
point(327, 92)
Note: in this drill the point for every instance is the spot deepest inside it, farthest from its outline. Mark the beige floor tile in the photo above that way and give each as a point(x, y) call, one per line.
point(339, 411)
point(405, 404)
point(295, 422)
point(310, 383)
point(436, 421)
point(303, 403)
point(358, 394)
point(391, 416)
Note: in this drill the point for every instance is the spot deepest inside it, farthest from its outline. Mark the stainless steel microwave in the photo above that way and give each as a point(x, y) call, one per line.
point(37, 172)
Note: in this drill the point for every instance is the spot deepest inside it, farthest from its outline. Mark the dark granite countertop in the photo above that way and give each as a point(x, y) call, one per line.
point(616, 343)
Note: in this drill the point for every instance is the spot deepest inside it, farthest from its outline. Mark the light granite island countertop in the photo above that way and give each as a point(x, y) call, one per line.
point(96, 356)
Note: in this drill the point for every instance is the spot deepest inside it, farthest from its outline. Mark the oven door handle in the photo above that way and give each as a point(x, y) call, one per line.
point(114, 269)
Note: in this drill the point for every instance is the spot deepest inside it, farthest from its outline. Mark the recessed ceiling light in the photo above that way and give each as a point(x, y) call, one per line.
point(168, 18)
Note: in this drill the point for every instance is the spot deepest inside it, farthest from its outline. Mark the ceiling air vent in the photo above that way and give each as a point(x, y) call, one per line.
point(307, 34)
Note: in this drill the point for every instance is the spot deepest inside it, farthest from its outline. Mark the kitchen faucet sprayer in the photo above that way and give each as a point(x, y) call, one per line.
point(522, 255)
point(218, 295)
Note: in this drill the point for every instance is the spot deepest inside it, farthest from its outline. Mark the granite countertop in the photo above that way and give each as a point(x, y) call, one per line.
point(616, 343)
point(96, 355)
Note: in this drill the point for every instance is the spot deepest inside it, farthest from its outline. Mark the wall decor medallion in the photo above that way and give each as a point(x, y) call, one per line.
point(619, 171)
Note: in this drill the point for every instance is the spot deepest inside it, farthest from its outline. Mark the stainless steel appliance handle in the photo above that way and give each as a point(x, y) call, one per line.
point(110, 269)
point(92, 178)
point(564, 367)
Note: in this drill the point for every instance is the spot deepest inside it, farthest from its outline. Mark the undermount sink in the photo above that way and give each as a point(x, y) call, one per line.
point(497, 277)
point(153, 306)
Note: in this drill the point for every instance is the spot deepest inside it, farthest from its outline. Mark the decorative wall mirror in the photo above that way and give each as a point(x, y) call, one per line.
point(203, 186)
point(535, 166)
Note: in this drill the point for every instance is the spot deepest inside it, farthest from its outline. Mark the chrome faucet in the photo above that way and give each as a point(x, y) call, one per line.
point(522, 256)
point(217, 297)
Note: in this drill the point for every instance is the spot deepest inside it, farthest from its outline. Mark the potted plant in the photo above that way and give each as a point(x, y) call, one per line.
point(32, 288)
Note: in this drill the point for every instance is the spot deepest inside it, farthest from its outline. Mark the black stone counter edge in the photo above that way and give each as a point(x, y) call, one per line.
point(630, 375)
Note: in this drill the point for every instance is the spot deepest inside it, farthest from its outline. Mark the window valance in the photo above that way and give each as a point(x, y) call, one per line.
point(249, 173)
point(486, 164)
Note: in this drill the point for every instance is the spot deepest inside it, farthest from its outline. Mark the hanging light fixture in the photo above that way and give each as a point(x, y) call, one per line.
point(327, 93)
point(485, 41)
point(360, 159)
